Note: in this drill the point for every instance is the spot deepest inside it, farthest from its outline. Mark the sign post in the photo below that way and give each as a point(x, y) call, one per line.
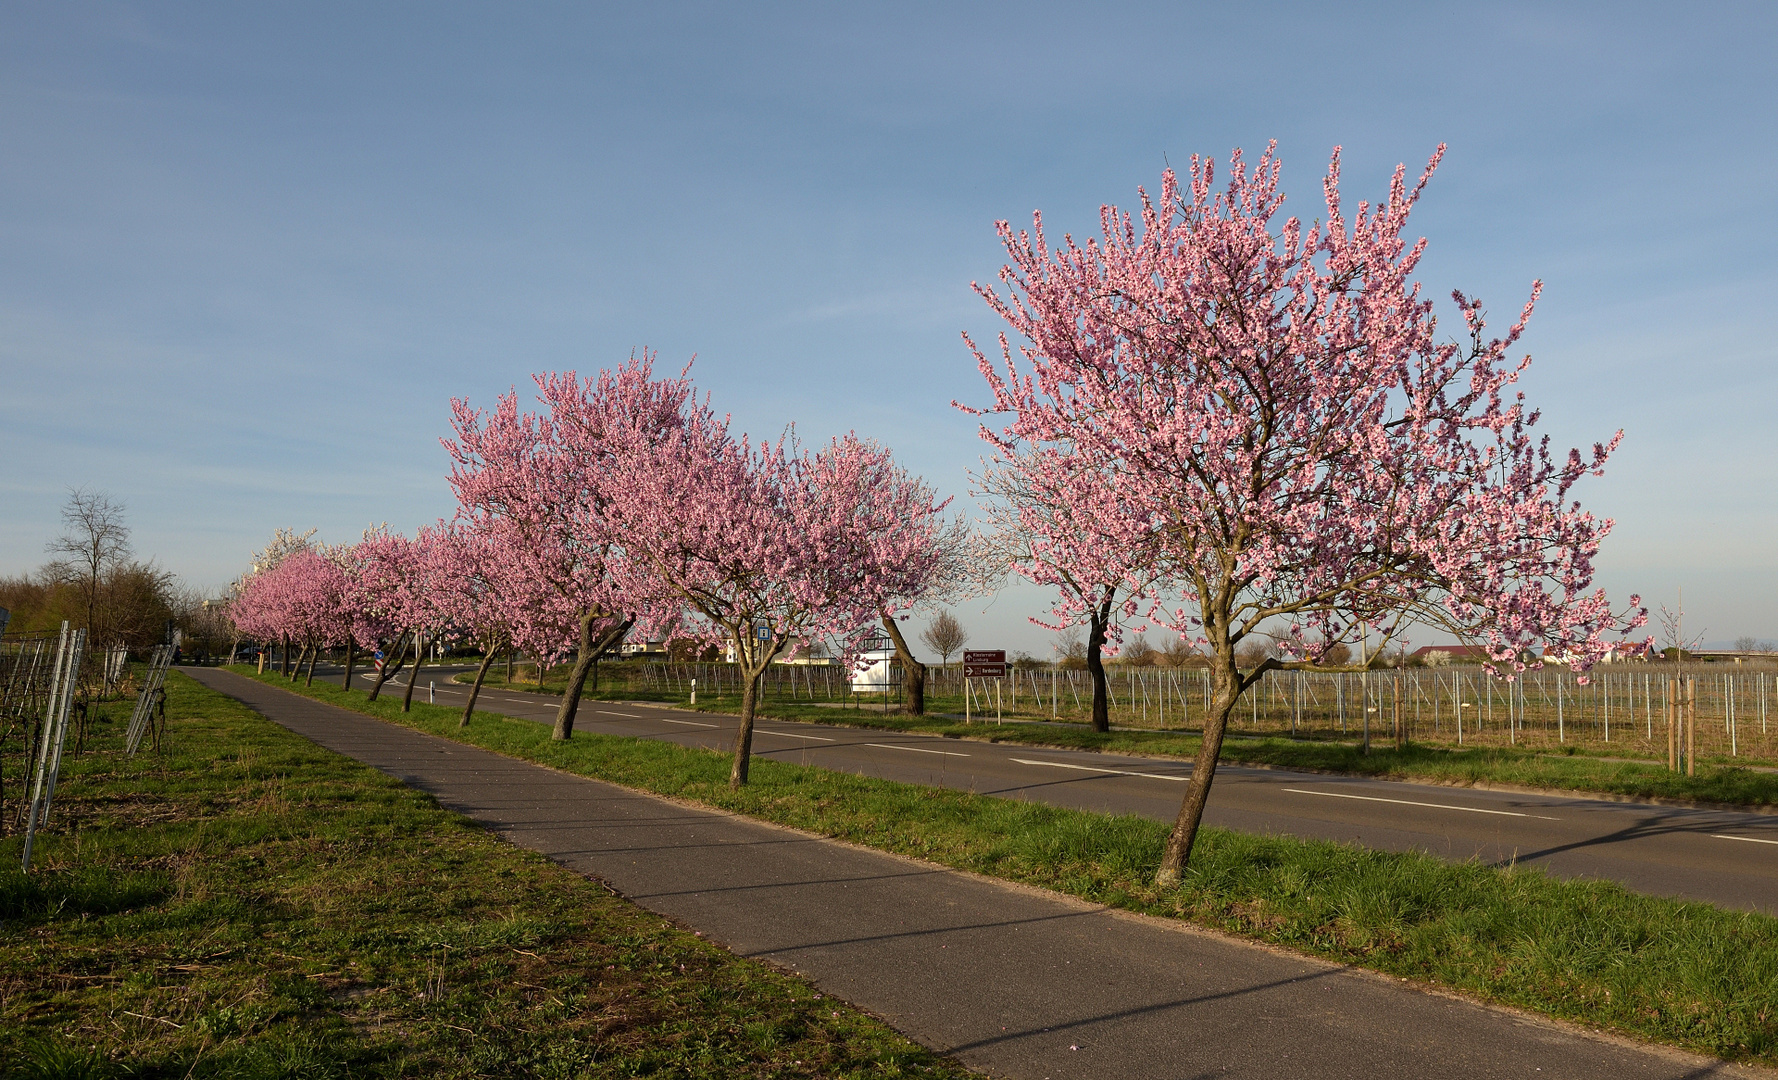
point(983, 664)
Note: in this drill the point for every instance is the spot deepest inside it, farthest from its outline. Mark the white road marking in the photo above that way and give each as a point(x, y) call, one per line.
point(1089, 768)
point(792, 735)
point(687, 723)
point(1410, 802)
point(1749, 839)
point(914, 749)
point(630, 715)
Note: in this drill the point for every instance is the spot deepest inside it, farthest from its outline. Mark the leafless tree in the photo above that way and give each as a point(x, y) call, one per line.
point(1071, 651)
point(945, 635)
point(1746, 644)
point(136, 602)
point(94, 539)
point(1178, 652)
point(1137, 652)
point(1255, 651)
point(1673, 632)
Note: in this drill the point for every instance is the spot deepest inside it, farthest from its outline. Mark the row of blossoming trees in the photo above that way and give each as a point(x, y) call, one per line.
point(625, 506)
point(1215, 423)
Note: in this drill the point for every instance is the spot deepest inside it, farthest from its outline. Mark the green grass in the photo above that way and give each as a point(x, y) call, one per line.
point(246, 904)
point(1687, 974)
point(1588, 771)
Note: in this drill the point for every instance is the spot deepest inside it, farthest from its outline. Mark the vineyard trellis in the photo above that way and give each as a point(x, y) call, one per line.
point(1618, 705)
point(52, 733)
point(52, 687)
point(142, 719)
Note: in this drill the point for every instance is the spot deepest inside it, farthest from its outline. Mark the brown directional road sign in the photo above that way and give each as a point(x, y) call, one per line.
point(984, 663)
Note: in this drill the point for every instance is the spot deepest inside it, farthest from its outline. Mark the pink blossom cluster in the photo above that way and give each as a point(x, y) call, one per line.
point(306, 598)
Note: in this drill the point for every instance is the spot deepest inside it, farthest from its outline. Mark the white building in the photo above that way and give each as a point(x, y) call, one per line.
point(871, 671)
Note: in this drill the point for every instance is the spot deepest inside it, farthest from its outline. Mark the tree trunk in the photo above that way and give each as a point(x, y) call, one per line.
point(913, 673)
point(755, 668)
point(509, 652)
point(419, 651)
point(351, 654)
point(314, 652)
point(389, 665)
point(475, 688)
point(737, 776)
point(284, 657)
point(583, 665)
point(1099, 621)
point(1229, 687)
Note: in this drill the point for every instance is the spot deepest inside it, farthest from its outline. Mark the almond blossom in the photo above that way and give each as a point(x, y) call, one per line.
point(1259, 419)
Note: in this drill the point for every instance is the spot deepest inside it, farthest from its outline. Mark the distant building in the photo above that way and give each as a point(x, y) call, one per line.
point(1451, 654)
point(804, 658)
point(871, 672)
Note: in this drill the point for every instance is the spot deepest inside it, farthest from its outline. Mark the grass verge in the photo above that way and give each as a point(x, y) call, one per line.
point(246, 904)
point(1687, 974)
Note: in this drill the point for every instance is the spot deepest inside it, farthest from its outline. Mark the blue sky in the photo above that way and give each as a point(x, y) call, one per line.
point(249, 252)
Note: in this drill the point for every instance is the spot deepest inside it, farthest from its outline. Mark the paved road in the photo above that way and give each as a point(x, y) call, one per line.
point(1722, 857)
point(1012, 981)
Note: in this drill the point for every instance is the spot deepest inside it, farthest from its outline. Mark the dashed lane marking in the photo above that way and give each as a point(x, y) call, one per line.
point(1749, 839)
point(1410, 802)
point(1091, 769)
point(914, 749)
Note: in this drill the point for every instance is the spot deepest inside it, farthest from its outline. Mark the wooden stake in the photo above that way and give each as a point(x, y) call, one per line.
point(1691, 726)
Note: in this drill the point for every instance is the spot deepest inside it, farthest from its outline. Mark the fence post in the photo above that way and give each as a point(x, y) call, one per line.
point(1400, 736)
point(1691, 725)
point(1667, 705)
point(1364, 689)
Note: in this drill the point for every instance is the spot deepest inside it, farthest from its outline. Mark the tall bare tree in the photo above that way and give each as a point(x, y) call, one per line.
point(945, 635)
point(94, 539)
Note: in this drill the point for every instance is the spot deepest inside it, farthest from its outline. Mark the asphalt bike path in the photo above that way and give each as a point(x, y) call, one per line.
point(1721, 857)
point(1012, 981)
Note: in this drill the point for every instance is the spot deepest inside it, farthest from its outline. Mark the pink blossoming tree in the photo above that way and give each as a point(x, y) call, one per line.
point(772, 549)
point(1268, 412)
point(393, 590)
point(1044, 525)
point(476, 595)
point(897, 543)
point(543, 487)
